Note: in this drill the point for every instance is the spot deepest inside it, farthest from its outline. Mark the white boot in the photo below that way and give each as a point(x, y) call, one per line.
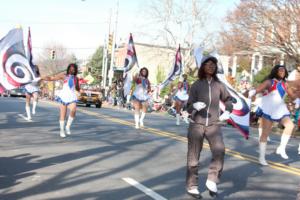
point(142, 119)
point(34, 107)
point(136, 119)
point(62, 131)
point(299, 149)
point(281, 149)
point(177, 119)
point(27, 108)
point(68, 126)
point(262, 153)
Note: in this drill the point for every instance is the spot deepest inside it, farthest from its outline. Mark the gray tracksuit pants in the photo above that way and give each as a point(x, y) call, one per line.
point(196, 135)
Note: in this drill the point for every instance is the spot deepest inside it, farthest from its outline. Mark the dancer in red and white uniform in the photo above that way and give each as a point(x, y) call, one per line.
point(273, 108)
point(67, 97)
point(141, 96)
point(181, 96)
point(32, 91)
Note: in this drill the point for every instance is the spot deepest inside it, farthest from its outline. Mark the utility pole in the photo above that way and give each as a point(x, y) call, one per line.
point(111, 72)
point(106, 52)
point(53, 67)
point(104, 55)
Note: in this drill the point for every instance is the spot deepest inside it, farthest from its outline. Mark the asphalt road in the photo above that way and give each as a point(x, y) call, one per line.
point(106, 158)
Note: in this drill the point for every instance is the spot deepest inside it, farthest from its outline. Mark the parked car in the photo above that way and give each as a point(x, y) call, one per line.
point(18, 92)
point(90, 97)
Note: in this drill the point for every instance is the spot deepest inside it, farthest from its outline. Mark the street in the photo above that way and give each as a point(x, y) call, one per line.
point(105, 157)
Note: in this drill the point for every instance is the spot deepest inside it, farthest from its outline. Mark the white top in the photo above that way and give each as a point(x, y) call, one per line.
point(67, 94)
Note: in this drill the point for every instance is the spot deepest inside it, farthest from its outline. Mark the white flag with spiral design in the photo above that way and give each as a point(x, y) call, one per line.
point(15, 69)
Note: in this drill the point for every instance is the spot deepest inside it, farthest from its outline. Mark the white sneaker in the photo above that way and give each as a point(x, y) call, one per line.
point(29, 119)
point(212, 187)
point(68, 131)
point(194, 192)
point(62, 134)
point(281, 152)
point(33, 112)
point(262, 161)
point(137, 126)
point(299, 149)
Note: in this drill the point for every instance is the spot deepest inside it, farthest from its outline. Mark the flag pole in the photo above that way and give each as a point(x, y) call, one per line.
point(111, 72)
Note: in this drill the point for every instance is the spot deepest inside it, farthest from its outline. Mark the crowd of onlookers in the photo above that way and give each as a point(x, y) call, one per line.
point(114, 95)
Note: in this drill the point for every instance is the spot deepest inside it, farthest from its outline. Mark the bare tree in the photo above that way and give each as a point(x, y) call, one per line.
point(264, 24)
point(49, 65)
point(174, 22)
point(53, 63)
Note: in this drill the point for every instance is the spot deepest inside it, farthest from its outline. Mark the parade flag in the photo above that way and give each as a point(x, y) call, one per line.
point(240, 115)
point(29, 48)
point(176, 70)
point(198, 54)
point(29, 54)
point(131, 57)
point(15, 69)
point(127, 84)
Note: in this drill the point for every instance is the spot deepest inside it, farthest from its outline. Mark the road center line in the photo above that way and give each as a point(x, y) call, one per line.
point(236, 154)
point(144, 189)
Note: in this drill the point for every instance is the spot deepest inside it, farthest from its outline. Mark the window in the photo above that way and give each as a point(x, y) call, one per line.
point(260, 35)
point(293, 36)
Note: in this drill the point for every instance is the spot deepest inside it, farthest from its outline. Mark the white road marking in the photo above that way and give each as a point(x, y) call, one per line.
point(144, 189)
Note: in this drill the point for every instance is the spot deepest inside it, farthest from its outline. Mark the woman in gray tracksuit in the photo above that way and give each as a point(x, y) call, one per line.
point(203, 105)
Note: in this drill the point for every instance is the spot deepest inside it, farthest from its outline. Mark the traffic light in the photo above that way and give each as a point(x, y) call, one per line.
point(52, 55)
point(110, 41)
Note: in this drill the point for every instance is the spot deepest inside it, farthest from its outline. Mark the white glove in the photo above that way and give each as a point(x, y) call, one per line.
point(185, 116)
point(251, 93)
point(224, 116)
point(297, 103)
point(35, 80)
point(199, 105)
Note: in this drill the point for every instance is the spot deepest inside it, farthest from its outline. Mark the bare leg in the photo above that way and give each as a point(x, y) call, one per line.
point(260, 130)
point(178, 106)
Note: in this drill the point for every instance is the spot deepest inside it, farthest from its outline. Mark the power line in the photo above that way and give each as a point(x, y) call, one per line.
point(79, 48)
point(55, 23)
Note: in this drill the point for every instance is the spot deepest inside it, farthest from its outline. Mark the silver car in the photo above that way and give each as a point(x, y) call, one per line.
point(18, 92)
